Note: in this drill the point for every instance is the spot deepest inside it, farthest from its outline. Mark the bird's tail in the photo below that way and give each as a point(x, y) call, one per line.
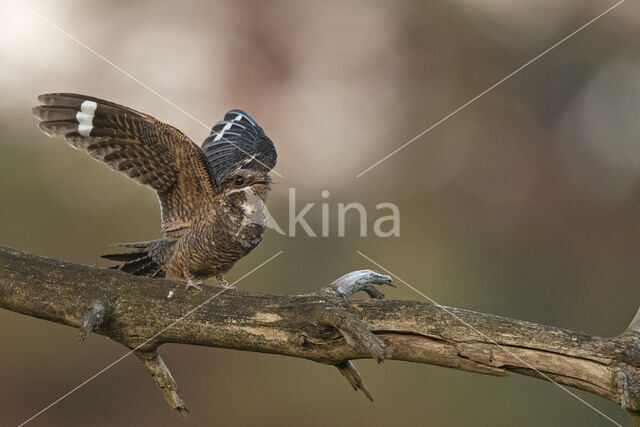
point(138, 262)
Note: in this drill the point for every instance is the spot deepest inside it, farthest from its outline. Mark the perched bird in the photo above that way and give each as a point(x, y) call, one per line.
point(212, 198)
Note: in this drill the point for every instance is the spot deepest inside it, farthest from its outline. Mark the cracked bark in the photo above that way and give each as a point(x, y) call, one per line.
point(324, 327)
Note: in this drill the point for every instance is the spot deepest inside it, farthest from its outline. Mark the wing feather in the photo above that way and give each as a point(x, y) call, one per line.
point(146, 150)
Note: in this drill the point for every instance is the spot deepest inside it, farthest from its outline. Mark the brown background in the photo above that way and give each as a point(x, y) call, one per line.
point(525, 204)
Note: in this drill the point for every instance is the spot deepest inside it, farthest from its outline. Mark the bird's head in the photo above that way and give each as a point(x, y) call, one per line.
point(243, 180)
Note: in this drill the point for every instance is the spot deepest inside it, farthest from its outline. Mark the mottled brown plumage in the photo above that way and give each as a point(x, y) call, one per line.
point(212, 199)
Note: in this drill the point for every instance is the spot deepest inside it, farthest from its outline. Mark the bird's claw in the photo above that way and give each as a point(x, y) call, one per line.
point(192, 283)
point(222, 282)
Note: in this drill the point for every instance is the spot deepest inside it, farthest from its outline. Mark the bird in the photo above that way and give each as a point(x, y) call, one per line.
point(212, 197)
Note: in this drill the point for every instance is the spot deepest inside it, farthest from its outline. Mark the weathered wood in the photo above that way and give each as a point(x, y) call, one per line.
point(349, 371)
point(165, 381)
point(356, 281)
point(291, 325)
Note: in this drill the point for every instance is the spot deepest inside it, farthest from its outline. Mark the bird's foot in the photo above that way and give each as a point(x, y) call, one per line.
point(222, 282)
point(193, 283)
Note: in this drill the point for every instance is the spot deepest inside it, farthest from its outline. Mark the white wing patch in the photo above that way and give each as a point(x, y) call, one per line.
point(227, 127)
point(85, 117)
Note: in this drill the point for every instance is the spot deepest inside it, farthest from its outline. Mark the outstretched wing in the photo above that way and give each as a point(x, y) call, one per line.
point(237, 142)
point(146, 150)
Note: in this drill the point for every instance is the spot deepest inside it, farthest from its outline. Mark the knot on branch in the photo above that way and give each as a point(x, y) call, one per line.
point(95, 317)
point(334, 320)
point(335, 316)
point(354, 331)
point(627, 380)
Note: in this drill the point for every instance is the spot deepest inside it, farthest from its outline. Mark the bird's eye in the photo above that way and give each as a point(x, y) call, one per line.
point(239, 180)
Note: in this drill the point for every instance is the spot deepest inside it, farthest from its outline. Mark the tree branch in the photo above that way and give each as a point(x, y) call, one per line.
point(165, 381)
point(325, 327)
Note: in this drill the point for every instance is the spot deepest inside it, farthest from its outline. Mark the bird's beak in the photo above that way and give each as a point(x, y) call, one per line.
point(263, 183)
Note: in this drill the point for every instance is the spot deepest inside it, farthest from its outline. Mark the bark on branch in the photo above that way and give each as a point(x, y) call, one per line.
point(325, 327)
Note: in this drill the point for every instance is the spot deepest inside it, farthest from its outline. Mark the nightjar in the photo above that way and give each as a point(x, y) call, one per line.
point(212, 197)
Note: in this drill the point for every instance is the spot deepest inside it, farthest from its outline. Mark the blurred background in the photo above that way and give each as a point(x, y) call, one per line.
point(525, 204)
